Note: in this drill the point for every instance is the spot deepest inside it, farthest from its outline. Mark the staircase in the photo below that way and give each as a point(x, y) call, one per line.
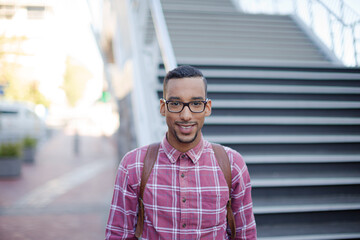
point(214, 32)
point(292, 113)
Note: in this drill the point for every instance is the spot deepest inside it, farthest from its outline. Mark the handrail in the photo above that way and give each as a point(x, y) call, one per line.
point(335, 15)
point(162, 35)
point(344, 45)
point(148, 124)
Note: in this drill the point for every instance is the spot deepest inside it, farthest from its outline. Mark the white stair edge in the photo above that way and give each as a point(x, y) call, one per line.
point(333, 236)
point(285, 104)
point(268, 159)
point(292, 182)
point(255, 63)
point(253, 88)
point(276, 74)
point(275, 139)
point(326, 76)
point(283, 120)
point(306, 208)
point(235, 88)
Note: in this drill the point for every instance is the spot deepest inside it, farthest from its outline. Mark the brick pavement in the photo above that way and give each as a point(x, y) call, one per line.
point(62, 195)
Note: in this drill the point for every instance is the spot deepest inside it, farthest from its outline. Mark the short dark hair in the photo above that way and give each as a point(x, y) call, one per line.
point(184, 71)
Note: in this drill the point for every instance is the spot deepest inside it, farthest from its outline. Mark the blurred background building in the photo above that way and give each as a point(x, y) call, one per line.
point(284, 78)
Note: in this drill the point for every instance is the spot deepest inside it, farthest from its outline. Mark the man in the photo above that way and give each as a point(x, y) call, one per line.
point(186, 194)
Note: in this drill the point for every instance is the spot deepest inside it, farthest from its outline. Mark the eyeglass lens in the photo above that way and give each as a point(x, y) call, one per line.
point(195, 106)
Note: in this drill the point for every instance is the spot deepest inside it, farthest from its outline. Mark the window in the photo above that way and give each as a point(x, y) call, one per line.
point(35, 12)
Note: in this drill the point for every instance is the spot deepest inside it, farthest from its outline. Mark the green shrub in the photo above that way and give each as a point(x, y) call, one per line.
point(29, 142)
point(10, 150)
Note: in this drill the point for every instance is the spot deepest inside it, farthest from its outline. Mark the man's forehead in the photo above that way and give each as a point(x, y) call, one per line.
point(187, 81)
point(189, 87)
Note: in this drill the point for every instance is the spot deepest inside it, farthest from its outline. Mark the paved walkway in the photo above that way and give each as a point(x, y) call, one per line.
point(62, 195)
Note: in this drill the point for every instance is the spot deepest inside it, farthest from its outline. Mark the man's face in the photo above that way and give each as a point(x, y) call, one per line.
point(184, 127)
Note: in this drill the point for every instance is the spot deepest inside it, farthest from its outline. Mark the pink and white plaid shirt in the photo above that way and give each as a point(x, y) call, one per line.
point(185, 196)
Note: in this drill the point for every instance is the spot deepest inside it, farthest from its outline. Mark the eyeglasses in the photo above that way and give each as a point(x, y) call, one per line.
point(177, 106)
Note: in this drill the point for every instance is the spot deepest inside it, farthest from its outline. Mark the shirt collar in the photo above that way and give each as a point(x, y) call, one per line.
point(194, 154)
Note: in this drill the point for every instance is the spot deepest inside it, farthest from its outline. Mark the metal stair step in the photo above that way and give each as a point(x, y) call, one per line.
point(320, 207)
point(276, 74)
point(256, 53)
point(311, 231)
point(243, 88)
point(280, 120)
point(294, 182)
point(316, 237)
point(297, 112)
point(240, 63)
point(285, 139)
point(290, 159)
point(234, 24)
point(306, 199)
point(253, 104)
point(230, 17)
point(273, 88)
point(316, 225)
point(239, 34)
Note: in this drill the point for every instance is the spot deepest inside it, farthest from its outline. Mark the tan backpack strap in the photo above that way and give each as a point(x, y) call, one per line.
point(224, 163)
point(149, 161)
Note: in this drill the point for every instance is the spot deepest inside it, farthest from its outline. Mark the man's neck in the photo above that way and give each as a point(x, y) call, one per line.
point(184, 147)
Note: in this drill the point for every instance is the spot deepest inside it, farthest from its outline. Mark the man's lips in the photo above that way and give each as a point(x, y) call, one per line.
point(186, 128)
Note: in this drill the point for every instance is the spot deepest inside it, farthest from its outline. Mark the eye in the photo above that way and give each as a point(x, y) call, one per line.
point(174, 104)
point(196, 103)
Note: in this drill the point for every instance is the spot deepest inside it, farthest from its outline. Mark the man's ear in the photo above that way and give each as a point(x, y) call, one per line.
point(162, 107)
point(208, 108)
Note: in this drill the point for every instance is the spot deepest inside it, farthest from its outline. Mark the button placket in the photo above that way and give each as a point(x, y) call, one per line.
point(183, 189)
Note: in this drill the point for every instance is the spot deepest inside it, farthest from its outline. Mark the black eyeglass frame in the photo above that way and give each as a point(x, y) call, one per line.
point(184, 105)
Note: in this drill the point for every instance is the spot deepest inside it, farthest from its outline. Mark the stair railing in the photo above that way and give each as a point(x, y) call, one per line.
point(149, 126)
point(162, 35)
point(335, 23)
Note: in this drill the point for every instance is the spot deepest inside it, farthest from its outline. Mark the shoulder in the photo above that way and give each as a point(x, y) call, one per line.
point(131, 166)
point(236, 160)
point(134, 158)
point(235, 157)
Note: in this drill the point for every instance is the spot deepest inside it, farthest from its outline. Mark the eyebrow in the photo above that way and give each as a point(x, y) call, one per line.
point(178, 98)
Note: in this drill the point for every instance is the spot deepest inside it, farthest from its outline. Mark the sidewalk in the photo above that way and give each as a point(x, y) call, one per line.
point(62, 195)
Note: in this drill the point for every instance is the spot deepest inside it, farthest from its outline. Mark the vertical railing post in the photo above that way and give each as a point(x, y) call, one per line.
point(342, 34)
point(275, 7)
point(354, 44)
point(331, 32)
point(295, 8)
point(311, 16)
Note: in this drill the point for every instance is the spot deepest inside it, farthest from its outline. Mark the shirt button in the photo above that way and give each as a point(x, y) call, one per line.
point(184, 225)
point(182, 175)
point(184, 200)
point(183, 156)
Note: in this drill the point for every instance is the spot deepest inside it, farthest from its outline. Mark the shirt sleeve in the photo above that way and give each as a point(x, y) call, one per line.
point(123, 210)
point(241, 201)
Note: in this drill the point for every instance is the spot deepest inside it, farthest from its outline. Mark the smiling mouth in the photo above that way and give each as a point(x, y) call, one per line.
point(186, 126)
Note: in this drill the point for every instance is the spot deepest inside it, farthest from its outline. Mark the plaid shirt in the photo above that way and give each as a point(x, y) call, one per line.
point(185, 196)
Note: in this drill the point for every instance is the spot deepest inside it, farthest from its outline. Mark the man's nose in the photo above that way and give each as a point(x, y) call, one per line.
point(185, 114)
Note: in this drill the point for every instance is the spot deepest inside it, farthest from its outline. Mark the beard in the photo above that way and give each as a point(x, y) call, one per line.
point(186, 141)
